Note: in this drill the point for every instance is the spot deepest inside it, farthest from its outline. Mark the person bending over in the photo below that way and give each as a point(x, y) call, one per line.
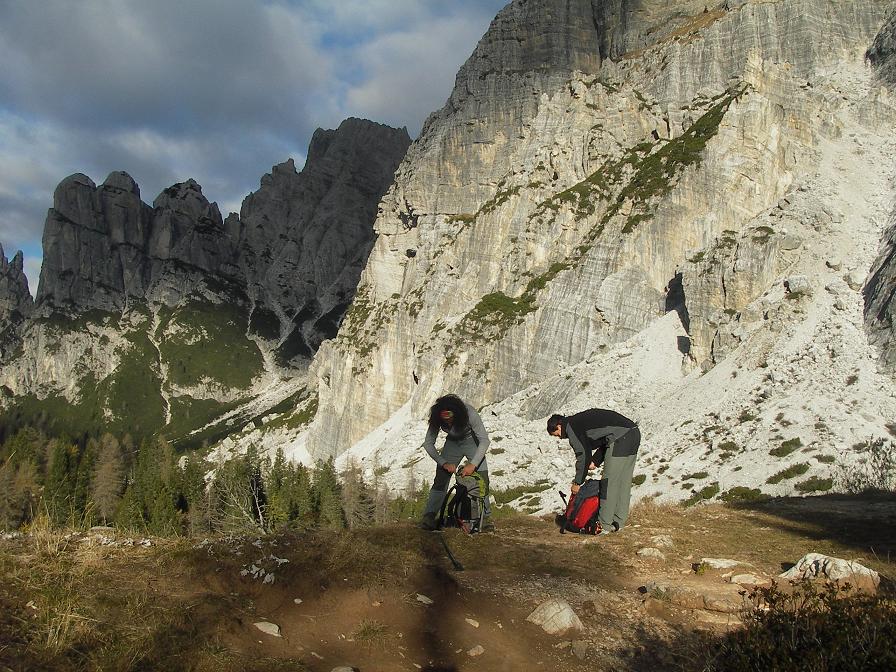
point(599, 436)
point(465, 437)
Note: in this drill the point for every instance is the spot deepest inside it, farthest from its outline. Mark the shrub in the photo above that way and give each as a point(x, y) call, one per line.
point(786, 447)
point(815, 484)
point(812, 628)
point(742, 494)
point(639, 479)
point(790, 472)
point(708, 492)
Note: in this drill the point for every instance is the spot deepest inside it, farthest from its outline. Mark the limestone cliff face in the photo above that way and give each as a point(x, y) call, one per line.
point(597, 164)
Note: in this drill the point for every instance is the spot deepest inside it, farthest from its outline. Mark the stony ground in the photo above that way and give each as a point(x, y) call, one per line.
point(390, 600)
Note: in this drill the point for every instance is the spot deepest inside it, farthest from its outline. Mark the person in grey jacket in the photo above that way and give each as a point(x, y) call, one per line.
point(465, 437)
point(599, 436)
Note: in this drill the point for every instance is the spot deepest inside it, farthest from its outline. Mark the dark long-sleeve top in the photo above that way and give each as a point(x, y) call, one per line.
point(590, 432)
point(476, 428)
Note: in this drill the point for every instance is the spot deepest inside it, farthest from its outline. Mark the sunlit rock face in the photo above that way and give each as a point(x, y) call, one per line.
point(597, 165)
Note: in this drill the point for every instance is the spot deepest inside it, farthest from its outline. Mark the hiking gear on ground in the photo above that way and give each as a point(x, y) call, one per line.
point(582, 509)
point(464, 504)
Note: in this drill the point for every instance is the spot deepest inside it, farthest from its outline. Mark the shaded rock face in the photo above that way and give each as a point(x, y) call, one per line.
point(882, 53)
point(306, 236)
point(597, 164)
point(879, 294)
point(15, 300)
point(296, 252)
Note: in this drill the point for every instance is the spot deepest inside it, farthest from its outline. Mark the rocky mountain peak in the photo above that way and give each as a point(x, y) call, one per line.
point(15, 299)
point(306, 235)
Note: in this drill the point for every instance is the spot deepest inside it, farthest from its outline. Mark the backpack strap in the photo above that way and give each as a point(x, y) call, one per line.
point(441, 522)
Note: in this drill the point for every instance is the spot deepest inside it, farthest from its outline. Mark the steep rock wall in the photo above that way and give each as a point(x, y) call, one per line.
point(546, 212)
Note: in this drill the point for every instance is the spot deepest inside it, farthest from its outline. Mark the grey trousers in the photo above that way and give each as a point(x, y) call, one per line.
point(618, 472)
point(453, 452)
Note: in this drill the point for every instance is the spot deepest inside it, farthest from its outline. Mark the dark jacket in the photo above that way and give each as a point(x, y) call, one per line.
point(591, 433)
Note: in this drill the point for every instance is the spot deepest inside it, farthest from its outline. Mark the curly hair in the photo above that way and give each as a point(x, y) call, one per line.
point(453, 403)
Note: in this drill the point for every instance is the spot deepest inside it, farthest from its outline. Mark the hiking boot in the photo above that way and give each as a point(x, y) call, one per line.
point(616, 527)
point(605, 530)
point(487, 525)
point(428, 522)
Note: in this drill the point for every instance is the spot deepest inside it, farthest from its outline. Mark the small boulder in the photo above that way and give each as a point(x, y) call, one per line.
point(834, 263)
point(798, 285)
point(719, 563)
point(662, 541)
point(555, 617)
point(650, 552)
point(476, 651)
point(748, 580)
point(424, 599)
point(267, 628)
point(855, 280)
point(580, 648)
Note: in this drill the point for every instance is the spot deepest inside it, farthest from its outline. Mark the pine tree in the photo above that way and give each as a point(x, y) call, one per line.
point(277, 482)
point(301, 497)
point(193, 489)
point(357, 500)
point(108, 478)
point(59, 488)
point(328, 496)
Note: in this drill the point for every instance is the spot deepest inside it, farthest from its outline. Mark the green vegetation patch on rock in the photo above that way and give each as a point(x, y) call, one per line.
point(201, 340)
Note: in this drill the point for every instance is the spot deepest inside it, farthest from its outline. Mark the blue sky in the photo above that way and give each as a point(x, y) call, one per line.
point(216, 90)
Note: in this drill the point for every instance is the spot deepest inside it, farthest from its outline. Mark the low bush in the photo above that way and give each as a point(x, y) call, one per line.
point(812, 628)
point(790, 472)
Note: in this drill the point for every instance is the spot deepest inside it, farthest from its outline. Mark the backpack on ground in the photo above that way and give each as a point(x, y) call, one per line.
point(464, 504)
point(582, 508)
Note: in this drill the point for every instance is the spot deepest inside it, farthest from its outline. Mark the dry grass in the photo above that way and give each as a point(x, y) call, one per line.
point(69, 605)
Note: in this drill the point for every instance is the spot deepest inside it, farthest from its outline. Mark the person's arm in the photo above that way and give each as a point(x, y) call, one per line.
point(583, 459)
point(429, 445)
point(481, 435)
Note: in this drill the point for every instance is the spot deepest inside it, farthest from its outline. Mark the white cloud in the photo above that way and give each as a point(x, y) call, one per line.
point(216, 90)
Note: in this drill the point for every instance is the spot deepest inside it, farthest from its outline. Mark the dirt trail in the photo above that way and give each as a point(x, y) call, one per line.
point(361, 599)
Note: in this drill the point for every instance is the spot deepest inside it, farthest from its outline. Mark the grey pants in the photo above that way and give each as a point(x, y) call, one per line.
point(453, 452)
point(618, 472)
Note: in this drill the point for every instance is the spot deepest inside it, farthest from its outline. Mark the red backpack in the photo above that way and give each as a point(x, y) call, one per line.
point(582, 508)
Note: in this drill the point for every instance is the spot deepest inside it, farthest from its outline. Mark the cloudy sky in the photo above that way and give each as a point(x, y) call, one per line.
point(216, 90)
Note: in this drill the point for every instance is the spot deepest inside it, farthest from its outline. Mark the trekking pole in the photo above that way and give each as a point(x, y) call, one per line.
point(563, 497)
point(457, 566)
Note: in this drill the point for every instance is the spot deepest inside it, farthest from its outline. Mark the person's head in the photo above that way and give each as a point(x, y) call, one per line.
point(557, 425)
point(449, 411)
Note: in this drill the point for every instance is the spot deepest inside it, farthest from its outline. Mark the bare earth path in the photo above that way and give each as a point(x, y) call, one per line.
point(389, 600)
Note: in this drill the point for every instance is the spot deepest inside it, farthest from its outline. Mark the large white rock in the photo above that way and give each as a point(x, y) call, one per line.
point(819, 566)
point(555, 617)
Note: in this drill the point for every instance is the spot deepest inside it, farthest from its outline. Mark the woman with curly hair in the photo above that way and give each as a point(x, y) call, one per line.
point(465, 437)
